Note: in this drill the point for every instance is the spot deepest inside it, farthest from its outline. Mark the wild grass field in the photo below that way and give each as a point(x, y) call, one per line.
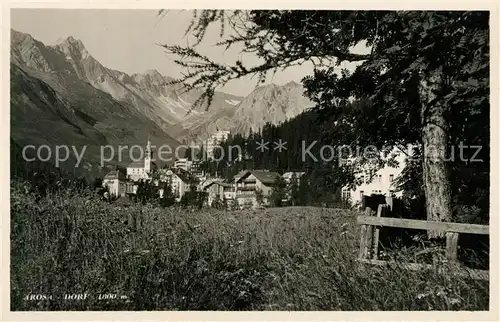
point(295, 258)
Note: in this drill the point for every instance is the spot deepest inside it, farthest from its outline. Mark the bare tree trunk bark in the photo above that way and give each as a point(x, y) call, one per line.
point(436, 176)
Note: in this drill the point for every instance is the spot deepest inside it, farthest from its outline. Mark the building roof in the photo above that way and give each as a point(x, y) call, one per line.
point(222, 184)
point(209, 182)
point(115, 174)
point(185, 175)
point(140, 164)
point(240, 175)
point(136, 164)
point(265, 177)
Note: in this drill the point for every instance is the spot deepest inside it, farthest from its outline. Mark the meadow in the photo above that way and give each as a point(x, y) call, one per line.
point(294, 258)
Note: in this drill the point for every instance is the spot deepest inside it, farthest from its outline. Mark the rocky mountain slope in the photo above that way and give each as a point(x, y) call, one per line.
point(52, 104)
point(165, 104)
point(269, 104)
point(266, 104)
point(77, 77)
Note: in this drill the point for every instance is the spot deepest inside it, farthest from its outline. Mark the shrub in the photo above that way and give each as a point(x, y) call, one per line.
point(218, 204)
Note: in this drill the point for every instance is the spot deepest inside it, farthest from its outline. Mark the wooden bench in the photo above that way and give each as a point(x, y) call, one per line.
point(370, 234)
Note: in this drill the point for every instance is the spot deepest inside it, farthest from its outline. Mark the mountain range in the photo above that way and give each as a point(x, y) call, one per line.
point(60, 94)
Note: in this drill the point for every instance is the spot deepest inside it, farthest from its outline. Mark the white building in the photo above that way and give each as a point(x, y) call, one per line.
point(183, 163)
point(213, 141)
point(287, 176)
point(188, 165)
point(382, 181)
point(141, 169)
point(218, 190)
point(115, 182)
point(179, 179)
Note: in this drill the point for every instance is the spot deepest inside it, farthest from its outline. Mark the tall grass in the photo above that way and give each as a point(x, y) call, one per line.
point(298, 258)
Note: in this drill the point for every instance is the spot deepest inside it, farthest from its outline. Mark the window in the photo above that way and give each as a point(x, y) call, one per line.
point(391, 178)
point(362, 179)
point(346, 194)
point(361, 193)
point(379, 178)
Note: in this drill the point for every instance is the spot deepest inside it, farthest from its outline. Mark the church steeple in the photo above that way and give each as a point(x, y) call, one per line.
point(147, 156)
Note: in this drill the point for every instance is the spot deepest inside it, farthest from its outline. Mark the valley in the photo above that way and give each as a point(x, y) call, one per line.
point(61, 94)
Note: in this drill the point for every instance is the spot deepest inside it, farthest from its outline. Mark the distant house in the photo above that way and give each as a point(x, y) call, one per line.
point(188, 165)
point(195, 169)
point(380, 182)
point(182, 163)
point(180, 180)
point(240, 174)
point(205, 182)
point(228, 190)
point(248, 183)
point(287, 176)
point(115, 182)
point(131, 187)
point(217, 190)
point(213, 141)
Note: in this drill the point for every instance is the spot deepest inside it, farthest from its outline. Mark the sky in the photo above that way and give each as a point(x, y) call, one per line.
point(128, 40)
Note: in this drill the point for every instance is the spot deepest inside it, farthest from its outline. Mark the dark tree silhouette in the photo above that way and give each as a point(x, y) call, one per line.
point(423, 80)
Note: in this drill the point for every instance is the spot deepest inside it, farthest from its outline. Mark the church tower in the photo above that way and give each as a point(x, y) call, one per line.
point(147, 157)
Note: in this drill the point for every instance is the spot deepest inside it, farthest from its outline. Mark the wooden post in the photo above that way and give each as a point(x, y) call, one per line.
point(376, 235)
point(365, 244)
point(451, 246)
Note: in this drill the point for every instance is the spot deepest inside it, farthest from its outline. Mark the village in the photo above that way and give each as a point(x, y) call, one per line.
point(250, 188)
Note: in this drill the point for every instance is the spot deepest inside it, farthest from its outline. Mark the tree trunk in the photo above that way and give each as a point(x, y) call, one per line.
point(436, 176)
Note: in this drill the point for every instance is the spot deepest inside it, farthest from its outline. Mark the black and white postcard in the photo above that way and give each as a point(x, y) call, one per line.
point(321, 158)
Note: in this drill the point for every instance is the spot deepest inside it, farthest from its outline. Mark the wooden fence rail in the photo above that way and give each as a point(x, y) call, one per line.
point(424, 225)
point(370, 233)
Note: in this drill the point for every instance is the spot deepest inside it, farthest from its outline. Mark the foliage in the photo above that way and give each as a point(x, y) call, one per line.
point(293, 190)
point(219, 204)
point(233, 204)
point(44, 177)
point(278, 192)
point(303, 191)
point(97, 183)
point(168, 198)
point(146, 192)
point(193, 197)
point(379, 103)
point(259, 196)
point(298, 258)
